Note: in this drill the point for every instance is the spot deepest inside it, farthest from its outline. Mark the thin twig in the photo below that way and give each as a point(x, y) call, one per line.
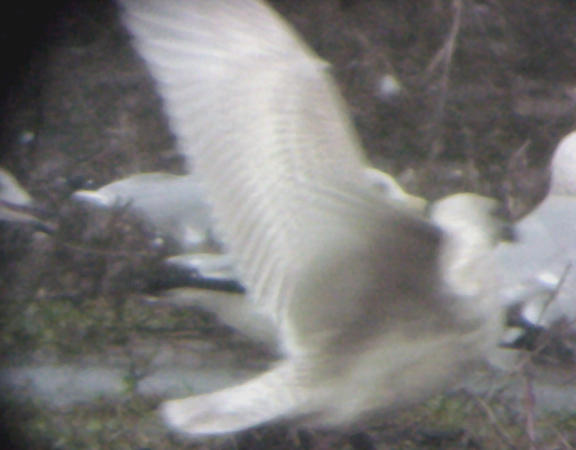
point(529, 403)
point(444, 58)
point(505, 438)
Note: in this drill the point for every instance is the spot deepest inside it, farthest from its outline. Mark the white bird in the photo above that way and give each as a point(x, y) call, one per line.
point(174, 204)
point(538, 269)
point(16, 205)
point(352, 283)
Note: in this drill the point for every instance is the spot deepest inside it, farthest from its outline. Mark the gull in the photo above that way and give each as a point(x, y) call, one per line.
point(16, 205)
point(390, 189)
point(537, 269)
point(351, 282)
point(173, 204)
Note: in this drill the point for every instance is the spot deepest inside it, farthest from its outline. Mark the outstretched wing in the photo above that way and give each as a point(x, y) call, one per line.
point(259, 117)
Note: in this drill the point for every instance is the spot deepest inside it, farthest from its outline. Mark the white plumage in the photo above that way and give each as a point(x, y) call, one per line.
point(353, 283)
point(174, 204)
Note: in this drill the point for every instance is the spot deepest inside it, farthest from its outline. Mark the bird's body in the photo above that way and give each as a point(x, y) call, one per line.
point(174, 204)
point(538, 268)
point(352, 283)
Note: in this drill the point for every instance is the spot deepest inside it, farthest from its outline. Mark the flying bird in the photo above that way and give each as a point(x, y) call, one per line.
point(352, 282)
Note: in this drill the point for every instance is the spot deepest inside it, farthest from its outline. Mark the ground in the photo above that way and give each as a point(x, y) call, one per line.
point(487, 89)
